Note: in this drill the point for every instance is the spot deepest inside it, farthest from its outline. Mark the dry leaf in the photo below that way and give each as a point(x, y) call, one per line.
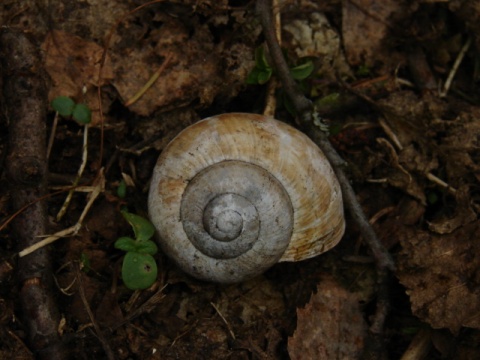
point(441, 275)
point(365, 25)
point(330, 327)
point(196, 71)
point(73, 64)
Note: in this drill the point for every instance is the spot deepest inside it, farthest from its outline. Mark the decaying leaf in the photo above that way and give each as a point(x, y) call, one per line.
point(314, 36)
point(331, 326)
point(463, 215)
point(73, 64)
point(365, 26)
point(441, 274)
point(195, 72)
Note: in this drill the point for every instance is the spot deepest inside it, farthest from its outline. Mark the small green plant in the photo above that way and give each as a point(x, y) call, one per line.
point(122, 189)
point(139, 269)
point(262, 72)
point(66, 107)
point(363, 71)
point(85, 262)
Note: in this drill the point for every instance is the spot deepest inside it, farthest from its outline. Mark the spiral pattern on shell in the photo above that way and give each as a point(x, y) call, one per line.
point(235, 193)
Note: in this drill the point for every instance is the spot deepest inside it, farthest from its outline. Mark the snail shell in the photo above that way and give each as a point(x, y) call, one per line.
point(235, 193)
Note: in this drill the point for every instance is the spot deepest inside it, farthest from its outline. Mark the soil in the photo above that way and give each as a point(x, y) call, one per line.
point(394, 81)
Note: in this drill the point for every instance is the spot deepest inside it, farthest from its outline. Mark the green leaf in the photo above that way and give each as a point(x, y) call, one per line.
point(126, 243)
point(142, 228)
point(122, 189)
point(303, 71)
point(261, 61)
point(82, 114)
point(63, 105)
point(252, 78)
point(288, 104)
point(363, 70)
point(146, 247)
point(85, 262)
point(331, 100)
point(139, 271)
point(264, 76)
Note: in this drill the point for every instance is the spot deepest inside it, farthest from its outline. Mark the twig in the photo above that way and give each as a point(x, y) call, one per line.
point(64, 208)
point(146, 307)
point(224, 320)
point(95, 190)
point(24, 92)
point(52, 135)
point(304, 108)
point(72, 230)
point(270, 99)
point(98, 331)
point(300, 102)
point(26, 206)
point(391, 134)
point(21, 343)
point(150, 82)
point(419, 347)
point(455, 67)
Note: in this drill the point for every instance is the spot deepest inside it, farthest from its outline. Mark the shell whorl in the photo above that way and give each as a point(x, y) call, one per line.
point(235, 193)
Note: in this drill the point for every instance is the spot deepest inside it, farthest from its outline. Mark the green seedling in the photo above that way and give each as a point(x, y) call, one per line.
point(66, 107)
point(263, 71)
point(85, 262)
point(363, 71)
point(139, 269)
point(63, 105)
point(122, 189)
point(302, 71)
point(142, 228)
point(81, 113)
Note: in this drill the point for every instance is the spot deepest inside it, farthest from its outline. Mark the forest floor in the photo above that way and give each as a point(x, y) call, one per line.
point(396, 83)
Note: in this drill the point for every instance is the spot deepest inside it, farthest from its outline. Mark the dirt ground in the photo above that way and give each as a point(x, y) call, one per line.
point(396, 83)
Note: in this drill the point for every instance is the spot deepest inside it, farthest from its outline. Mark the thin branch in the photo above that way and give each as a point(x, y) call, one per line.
point(24, 91)
point(375, 345)
point(300, 102)
point(455, 67)
point(150, 82)
point(106, 346)
point(95, 190)
point(304, 108)
point(232, 334)
point(67, 201)
point(270, 98)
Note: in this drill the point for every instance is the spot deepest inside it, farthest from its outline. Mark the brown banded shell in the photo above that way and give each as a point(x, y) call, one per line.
point(235, 193)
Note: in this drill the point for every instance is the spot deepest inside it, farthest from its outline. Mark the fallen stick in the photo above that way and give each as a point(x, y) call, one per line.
point(24, 99)
point(375, 348)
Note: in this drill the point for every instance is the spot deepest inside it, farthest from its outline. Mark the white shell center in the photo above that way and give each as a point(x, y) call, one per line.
point(230, 222)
